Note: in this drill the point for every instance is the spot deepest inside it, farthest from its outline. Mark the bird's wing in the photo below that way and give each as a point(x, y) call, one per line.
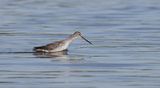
point(54, 45)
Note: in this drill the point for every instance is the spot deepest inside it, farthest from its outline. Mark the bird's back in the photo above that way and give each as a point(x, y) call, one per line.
point(52, 47)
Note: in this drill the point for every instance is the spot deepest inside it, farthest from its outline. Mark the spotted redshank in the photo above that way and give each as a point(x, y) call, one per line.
point(60, 45)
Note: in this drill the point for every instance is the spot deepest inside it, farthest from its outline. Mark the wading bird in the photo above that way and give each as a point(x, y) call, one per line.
point(60, 45)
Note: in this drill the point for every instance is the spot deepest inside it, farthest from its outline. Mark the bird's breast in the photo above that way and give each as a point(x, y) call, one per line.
point(61, 47)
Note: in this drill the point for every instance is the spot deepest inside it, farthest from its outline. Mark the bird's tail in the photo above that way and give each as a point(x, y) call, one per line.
point(39, 49)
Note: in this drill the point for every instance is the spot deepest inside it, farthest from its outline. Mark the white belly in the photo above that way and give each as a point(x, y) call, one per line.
point(60, 48)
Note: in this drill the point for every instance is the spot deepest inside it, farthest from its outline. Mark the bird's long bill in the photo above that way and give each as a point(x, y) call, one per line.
point(86, 40)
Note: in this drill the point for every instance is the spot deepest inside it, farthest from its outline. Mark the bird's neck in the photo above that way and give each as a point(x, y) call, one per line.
point(70, 39)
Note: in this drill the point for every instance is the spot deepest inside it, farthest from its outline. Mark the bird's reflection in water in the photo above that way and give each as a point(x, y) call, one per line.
point(51, 54)
point(60, 56)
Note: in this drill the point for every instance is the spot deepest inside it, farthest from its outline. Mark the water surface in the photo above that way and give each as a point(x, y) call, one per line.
point(125, 34)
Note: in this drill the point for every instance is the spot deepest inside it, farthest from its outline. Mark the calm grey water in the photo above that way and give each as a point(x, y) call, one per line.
point(125, 34)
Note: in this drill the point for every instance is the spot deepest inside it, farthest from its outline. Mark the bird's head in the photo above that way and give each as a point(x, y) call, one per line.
point(78, 34)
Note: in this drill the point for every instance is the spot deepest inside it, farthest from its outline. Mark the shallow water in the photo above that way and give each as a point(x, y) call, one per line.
point(125, 34)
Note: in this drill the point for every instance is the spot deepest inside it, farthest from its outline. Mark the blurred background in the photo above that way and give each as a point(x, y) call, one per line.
point(125, 34)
